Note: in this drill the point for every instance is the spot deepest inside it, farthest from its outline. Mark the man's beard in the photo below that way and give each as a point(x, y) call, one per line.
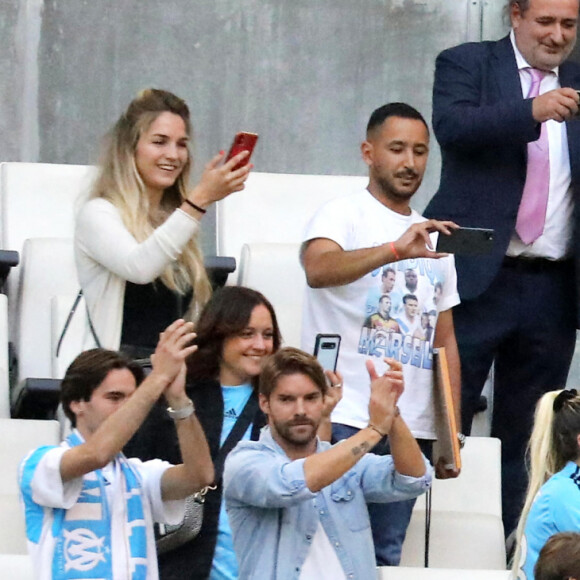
point(391, 192)
point(284, 430)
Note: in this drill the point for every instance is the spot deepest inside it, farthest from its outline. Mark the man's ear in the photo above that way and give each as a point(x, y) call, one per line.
point(366, 149)
point(77, 407)
point(264, 403)
point(515, 14)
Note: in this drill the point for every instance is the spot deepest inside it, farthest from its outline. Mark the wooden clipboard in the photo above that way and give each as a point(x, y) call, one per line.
point(447, 445)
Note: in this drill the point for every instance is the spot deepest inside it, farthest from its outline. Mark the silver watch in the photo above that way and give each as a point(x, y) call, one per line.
point(183, 413)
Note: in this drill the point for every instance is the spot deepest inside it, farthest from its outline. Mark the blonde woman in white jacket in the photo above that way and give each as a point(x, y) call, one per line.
point(136, 247)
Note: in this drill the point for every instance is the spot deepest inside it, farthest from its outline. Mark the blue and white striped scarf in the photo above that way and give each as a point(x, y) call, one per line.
point(83, 547)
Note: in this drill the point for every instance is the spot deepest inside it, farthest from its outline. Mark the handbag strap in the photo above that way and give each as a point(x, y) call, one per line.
point(237, 432)
point(69, 320)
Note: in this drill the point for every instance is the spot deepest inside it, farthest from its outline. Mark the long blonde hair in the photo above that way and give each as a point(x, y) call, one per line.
point(552, 444)
point(120, 183)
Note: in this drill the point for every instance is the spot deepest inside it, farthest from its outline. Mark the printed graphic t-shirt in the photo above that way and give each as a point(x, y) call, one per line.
point(375, 320)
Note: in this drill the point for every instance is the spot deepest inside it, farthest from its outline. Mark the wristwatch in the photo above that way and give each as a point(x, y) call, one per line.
point(183, 413)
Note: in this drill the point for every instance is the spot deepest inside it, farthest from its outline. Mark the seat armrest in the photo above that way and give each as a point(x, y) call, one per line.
point(36, 399)
point(218, 269)
point(8, 259)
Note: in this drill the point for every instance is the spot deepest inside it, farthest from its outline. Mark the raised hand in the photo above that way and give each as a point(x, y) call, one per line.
point(173, 348)
point(416, 243)
point(559, 105)
point(385, 392)
point(333, 394)
point(219, 180)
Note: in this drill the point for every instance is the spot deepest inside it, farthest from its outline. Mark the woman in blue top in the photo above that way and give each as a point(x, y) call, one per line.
point(237, 329)
point(553, 499)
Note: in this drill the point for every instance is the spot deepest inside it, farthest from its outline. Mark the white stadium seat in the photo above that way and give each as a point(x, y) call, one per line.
point(279, 204)
point(17, 438)
point(275, 270)
point(16, 567)
point(394, 573)
point(466, 524)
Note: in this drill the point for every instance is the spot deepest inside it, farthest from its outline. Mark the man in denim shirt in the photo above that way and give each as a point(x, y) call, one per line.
point(297, 506)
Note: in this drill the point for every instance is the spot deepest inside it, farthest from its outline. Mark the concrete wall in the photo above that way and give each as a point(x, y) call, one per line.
point(303, 74)
point(10, 81)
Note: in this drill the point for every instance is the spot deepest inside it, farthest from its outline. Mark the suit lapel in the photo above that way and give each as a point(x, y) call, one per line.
point(505, 70)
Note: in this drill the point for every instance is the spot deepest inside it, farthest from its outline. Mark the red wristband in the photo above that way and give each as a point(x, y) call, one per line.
point(392, 244)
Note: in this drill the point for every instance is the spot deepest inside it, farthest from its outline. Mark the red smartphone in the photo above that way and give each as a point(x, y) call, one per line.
point(242, 142)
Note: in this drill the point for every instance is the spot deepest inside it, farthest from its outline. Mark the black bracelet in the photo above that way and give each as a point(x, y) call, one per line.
point(200, 209)
point(371, 426)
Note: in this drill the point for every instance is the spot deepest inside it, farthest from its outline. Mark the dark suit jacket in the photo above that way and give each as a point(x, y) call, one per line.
point(483, 125)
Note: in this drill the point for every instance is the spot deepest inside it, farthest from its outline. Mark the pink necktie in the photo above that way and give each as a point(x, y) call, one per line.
point(532, 211)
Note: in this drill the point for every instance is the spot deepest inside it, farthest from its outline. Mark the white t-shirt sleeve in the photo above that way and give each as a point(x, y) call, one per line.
point(331, 222)
point(102, 236)
point(450, 296)
point(166, 512)
point(46, 483)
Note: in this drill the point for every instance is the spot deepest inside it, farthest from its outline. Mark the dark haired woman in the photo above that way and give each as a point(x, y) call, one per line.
point(552, 502)
point(236, 330)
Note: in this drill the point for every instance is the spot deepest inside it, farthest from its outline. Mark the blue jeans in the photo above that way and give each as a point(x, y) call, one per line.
point(389, 521)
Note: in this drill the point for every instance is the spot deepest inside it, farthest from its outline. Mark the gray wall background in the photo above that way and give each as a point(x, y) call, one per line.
point(303, 74)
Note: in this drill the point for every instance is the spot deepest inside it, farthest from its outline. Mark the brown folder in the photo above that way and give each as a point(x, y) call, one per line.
point(447, 445)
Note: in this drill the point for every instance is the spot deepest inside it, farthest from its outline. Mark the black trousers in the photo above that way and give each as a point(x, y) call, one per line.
point(526, 322)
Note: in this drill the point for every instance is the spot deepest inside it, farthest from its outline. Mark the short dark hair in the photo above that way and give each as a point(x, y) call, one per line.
point(523, 5)
point(88, 371)
point(226, 314)
point(559, 558)
point(291, 361)
point(386, 270)
point(380, 115)
point(408, 297)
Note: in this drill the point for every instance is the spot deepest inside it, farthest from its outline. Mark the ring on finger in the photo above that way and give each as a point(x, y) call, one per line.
point(337, 386)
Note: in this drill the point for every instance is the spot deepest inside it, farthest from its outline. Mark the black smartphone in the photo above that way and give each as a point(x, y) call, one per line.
point(467, 241)
point(326, 350)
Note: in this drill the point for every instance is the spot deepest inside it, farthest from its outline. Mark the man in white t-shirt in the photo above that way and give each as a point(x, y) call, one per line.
point(89, 510)
point(349, 242)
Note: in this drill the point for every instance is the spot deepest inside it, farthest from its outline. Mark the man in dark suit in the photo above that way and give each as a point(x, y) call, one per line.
point(519, 302)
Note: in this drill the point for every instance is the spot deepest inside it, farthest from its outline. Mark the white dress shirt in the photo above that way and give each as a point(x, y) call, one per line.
point(554, 242)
